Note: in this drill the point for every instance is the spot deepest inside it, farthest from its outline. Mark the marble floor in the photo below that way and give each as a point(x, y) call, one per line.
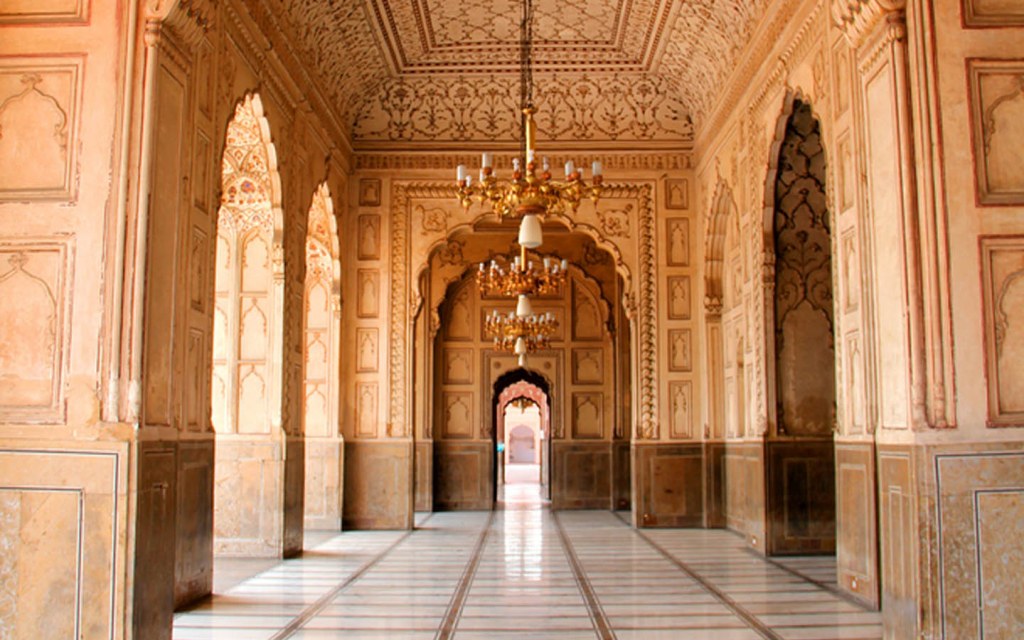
point(526, 572)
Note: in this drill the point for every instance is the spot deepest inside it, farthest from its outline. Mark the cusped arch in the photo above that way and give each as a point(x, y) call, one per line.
point(323, 248)
point(723, 208)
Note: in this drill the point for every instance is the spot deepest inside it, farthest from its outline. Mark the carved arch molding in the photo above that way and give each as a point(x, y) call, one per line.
point(640, 287)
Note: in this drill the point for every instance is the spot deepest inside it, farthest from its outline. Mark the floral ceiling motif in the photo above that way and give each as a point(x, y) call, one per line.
point(439, 70)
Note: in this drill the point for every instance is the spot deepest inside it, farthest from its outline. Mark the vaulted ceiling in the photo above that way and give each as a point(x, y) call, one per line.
point(608, 73)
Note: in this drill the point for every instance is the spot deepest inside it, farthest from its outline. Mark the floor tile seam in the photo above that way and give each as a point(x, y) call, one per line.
point(321, 603)
point(454, 610)
point(833, 589)
point(749, 618)
point(601, 625)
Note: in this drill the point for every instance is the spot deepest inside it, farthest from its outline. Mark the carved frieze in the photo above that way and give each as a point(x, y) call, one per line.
point(1003, 282)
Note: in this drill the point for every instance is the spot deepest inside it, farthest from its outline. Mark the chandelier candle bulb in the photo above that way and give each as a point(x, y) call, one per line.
point(487, 161)
point(569, 168)
point(565, 264)
point(461, 172)
point(595, 168)
point(520, 346)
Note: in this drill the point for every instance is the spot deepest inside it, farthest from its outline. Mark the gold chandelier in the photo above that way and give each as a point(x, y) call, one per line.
point(520, 334)
point(523, 277)
point(531, 191)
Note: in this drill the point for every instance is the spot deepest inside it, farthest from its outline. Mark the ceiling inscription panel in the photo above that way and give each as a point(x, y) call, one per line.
point(606, 71)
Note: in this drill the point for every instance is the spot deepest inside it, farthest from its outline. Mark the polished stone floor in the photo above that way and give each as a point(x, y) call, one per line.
point(525, 572)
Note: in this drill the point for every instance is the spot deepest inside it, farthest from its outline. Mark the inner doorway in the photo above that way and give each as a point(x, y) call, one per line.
point(522, 439)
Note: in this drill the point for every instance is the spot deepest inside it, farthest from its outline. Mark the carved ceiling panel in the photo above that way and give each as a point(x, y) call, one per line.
point(444, 70)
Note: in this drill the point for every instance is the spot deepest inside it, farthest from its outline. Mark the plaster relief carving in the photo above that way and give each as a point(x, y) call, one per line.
point(679, 297)
point(199, 265)
point(252, 336)
point(433, 220)
point(677, 193)
point(366, 349)
point(201, 164)
point(366, 409)
point(1003, 269)
point(252, 399)
point(847, 173)
point(457, 412)
point(196, 376)
point(588, 366)
point(854, 383)
point(37, 130)
point(615, 222)
point(459, 326)
point(586, 317)
point(997, 97)
point(369, 192)
point(680, 393)
point(32, 319)
point(841, 78)
point(451, 254)
point(368, 293)
point(587, 415)
point(851, 272)
point(369, 237)
point(678, 234)
point(680, 353)
point(458, 368)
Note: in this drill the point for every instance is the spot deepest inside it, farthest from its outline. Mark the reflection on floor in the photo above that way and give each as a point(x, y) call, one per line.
point(524, 572)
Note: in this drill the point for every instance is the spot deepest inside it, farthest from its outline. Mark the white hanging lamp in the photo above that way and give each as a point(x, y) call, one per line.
point(523, 307)
point(530, 235)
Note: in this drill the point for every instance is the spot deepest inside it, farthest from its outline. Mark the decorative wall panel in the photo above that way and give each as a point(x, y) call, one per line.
point(587, 366)
point(680, 394)
point(367, 357)
point(368, 293)
point(680, 350)
point(39, 105)
point(44, 11)
point(34, 290)
point(369, 237)
point(587, 415)
point(997, 110)
point(1003, 294)
point(679, 298)
point(677, 233)
point(458, 366)
point(366, 409)
point(458, 415)
point(677, 193)
point(993, 13)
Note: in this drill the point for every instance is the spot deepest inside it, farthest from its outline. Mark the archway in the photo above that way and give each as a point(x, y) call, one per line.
point(522, 399)
point(800, 450)
point(321, 347)
point(587, 364)
point(246, 392)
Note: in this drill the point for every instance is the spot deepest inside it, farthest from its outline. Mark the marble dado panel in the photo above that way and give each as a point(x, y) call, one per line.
point(897, 527)
point(249, 476)
point(1003, 293)
point(669, 483)
point(463, 475)
point(744, 503)
point(35, 294)
point(61, 518)
point(193, 572)
point(801, 497)
point(424, 468)
point(997, 127)
point(993, 13)
point(979, 503)
point(621, 477)
point(857, 521)
point(378, 485)
point(44, 12)
point(582, 472)
point(40, 102)
point(323, 483)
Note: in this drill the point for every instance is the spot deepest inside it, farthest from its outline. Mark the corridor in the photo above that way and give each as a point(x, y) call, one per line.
point(530, 573)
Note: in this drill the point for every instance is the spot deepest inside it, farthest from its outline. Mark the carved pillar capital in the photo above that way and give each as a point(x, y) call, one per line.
point(857, 18)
